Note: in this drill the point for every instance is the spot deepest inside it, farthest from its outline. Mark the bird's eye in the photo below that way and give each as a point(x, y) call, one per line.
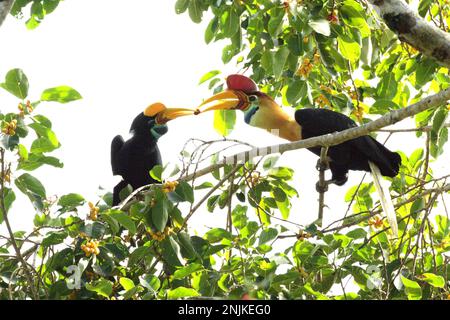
point(252, 98)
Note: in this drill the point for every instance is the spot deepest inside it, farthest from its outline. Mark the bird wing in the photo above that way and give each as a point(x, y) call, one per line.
point(116, 145)
point(318, 122)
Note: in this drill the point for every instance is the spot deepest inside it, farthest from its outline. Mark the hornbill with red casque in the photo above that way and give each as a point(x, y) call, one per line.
point(362, 153)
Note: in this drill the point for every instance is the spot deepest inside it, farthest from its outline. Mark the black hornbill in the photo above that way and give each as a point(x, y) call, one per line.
point(133, 159)
point(363, 153)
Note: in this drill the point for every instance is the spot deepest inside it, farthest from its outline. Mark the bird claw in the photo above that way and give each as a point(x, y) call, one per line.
point(322, 166)
point(322, 188)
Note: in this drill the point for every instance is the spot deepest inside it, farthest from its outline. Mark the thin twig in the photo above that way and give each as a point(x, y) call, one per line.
point(322, 185)
point(28, 274)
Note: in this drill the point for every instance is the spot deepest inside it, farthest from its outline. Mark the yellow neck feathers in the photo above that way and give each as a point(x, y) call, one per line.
point(272, 118)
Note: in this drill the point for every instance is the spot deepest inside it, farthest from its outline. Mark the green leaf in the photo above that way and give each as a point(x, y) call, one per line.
point(182, 292)
point(187, 270)
point(424, 5)
point(29, 184)
point(387, 87)
point(102, 287)
point(217, 234)
point(212, 202)
point(425, 72)
point(204, 185)
point(17, 7)
point(62, 94)
point(296, 91)
point(443, 225)
point(160, 213)
point(150, 282)
point(268, 235)
point(126, 283)
point(321, 26)
point(267, 61)
point(228, 52)
point(195, 11)
point(439, 120)
point(156, 172)
point(94, 230)
point(280, 61)
point(16, 83)
point(211, 30)
point(185, 192)
point(43, 144)
point(383, 106)
point(352, 14)
point(32, 23)
point(282, 173)
point(350, 49)
point(23, 152)
point(36, 160)
point(125, 220)
point(358, 233)
point(412, 289)
point(224, 121)
point(275, 22)
point(43, 131)
point(209, 75)
point(230, 22)
point(54, 238)
point(9, 196)
point(181, 6)
point(187, 249)
point(433, 279)
point(71, 200)
point(270, 162)
point(50, 5)
point(171, 252)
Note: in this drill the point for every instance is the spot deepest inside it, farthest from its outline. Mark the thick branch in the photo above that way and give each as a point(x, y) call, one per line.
point(323, 141)
point(342, 136)
point(414, 30)
point(5, 7)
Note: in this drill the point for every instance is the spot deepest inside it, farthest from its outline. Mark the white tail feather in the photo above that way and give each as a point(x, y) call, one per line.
point(385, 198)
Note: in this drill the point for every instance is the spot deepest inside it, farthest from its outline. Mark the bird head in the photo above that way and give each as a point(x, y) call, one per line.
point(144, 125)
point(155, 117)
point(163, 114)
point(260, 110)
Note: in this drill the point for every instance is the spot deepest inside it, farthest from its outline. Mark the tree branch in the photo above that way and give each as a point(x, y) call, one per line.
point(5, 7)
point(414, 30)
point(327, 140)
point(322, 185)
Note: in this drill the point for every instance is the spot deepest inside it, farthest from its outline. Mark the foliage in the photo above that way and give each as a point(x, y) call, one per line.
point(311, 53)
point(38, 9)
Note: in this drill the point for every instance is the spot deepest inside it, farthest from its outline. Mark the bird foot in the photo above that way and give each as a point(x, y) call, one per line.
point(322, 166)
point(322, 188)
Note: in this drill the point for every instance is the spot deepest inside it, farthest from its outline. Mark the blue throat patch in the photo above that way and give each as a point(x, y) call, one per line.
point(158, 131)
point(250, 113)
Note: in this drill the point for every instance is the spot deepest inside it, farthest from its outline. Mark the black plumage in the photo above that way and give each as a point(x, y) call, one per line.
point(354, 154)
point(133, 159)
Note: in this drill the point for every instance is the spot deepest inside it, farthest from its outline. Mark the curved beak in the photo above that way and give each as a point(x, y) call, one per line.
point(163, 114)
point(226, 100)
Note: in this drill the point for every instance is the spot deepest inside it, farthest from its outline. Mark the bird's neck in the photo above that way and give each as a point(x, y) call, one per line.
point(144, 137)
point(278, 123)
point(291, 130)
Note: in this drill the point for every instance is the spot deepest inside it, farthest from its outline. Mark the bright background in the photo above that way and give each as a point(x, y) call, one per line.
point(122, 56)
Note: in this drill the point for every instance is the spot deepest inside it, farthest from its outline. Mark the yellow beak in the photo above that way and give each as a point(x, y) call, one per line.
point(226, 100)
point(164, 114)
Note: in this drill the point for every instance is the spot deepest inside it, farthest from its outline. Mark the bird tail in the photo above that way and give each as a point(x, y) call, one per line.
point(385, 198)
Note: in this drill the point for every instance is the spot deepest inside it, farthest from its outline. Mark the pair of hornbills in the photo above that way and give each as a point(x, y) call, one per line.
point(134, 158)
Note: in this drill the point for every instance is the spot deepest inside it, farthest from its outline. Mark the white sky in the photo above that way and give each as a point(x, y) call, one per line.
point(122, 58)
